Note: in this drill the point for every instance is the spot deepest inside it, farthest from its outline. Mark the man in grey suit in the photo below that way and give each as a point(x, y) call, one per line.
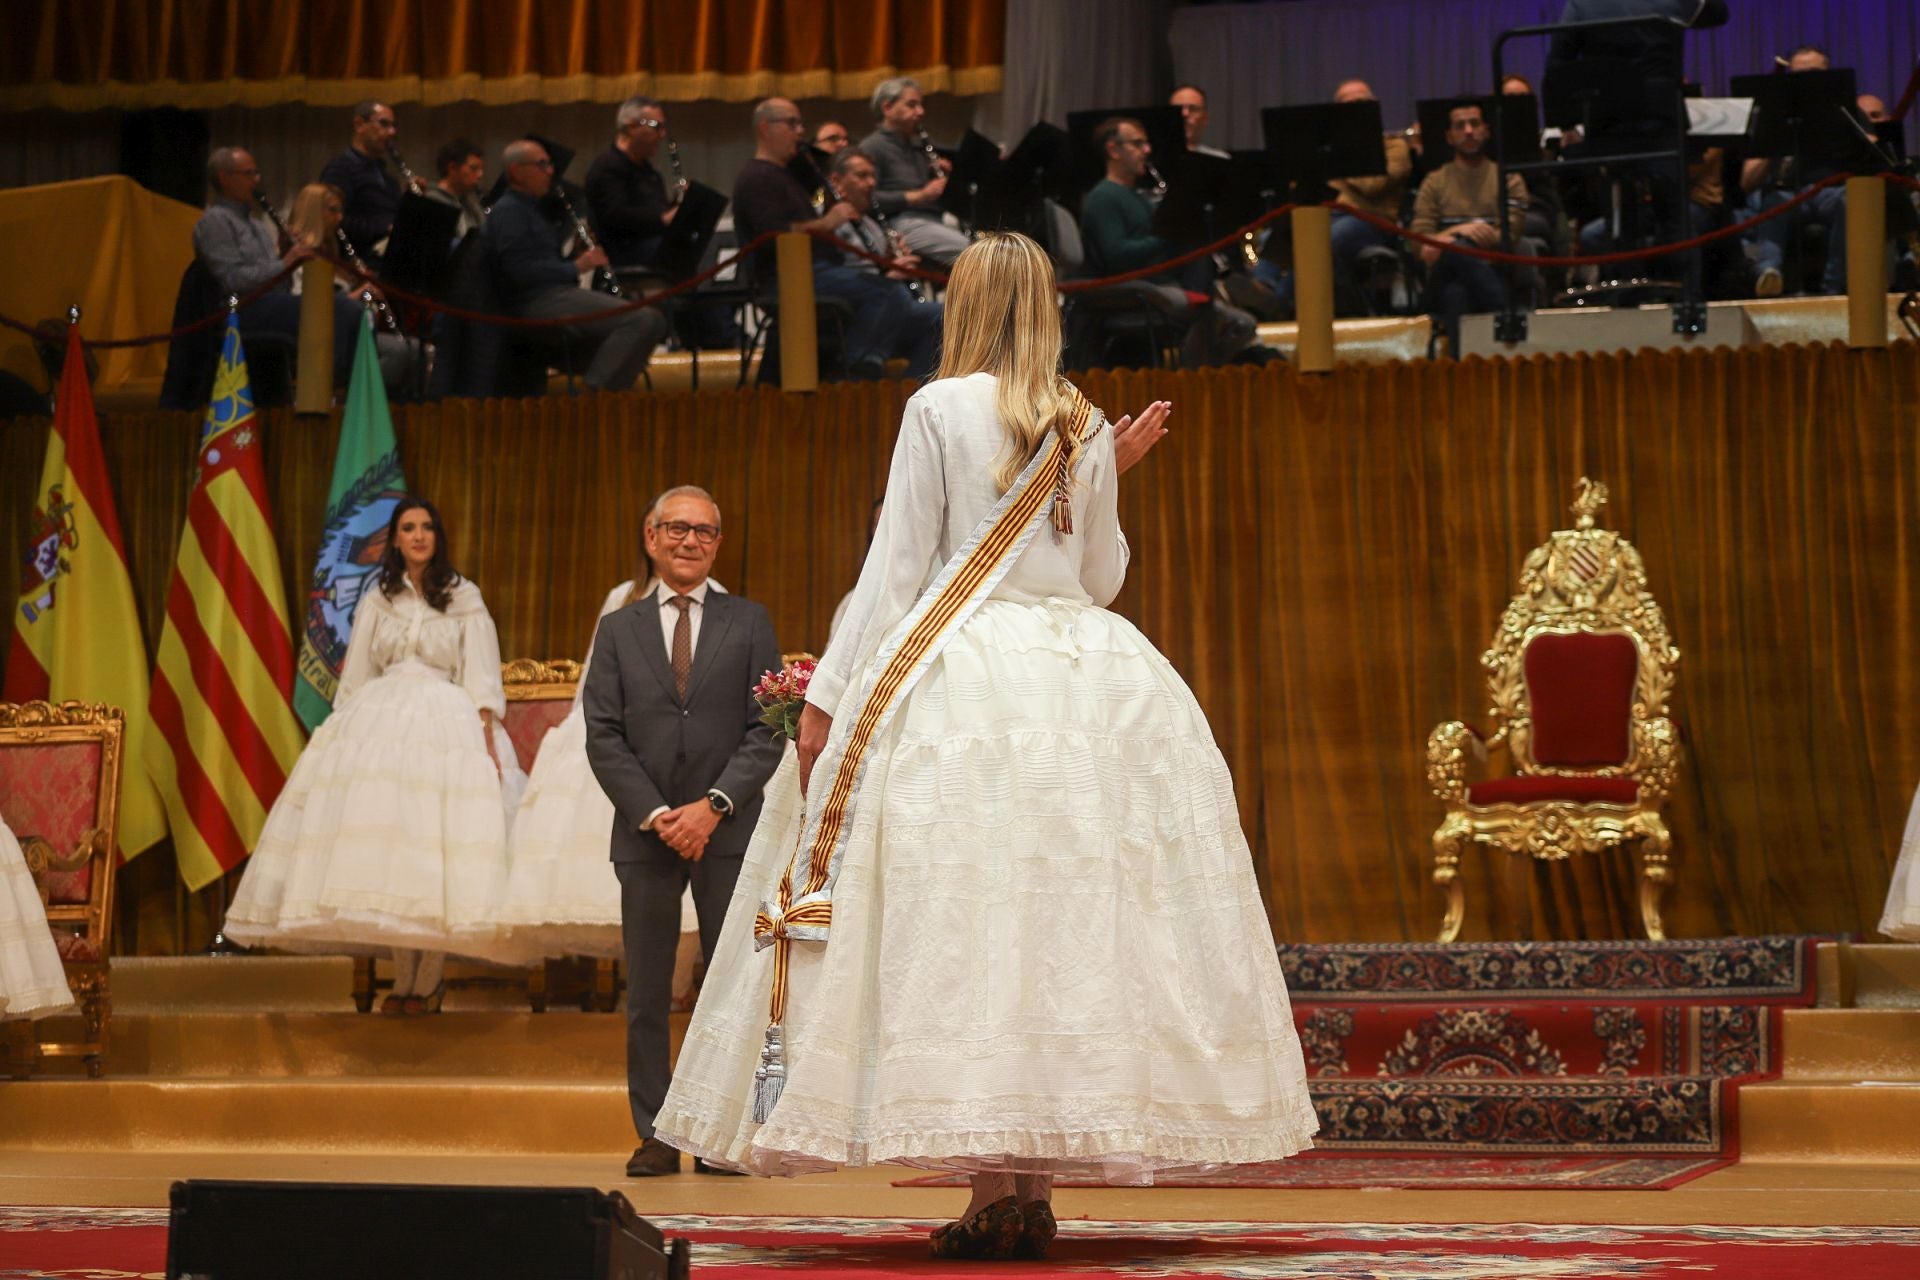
point(675, 738)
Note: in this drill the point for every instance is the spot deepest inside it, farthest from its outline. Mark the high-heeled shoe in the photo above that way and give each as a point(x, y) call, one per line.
point(429, 1003)
point(993, 1232)
point(1037, 1230)
point(393, 1006)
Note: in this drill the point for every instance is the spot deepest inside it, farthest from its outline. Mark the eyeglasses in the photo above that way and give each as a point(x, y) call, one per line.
point(831, 137)
point(246, 173)
point(677, 530)
point(792, 122)
point(537, 164)
point(658, 126)
point(1131, 142)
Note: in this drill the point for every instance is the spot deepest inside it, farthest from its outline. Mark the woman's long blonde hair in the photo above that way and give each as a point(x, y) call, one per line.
point(307, 222)
point(1003, 318)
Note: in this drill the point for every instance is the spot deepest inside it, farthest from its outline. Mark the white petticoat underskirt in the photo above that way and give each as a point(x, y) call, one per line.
point(33, 982)
point(1901, 919)
point(1048, 947)
point(391, 831)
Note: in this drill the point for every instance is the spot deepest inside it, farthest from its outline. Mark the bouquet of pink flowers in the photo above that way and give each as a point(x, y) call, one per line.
point(782, 694)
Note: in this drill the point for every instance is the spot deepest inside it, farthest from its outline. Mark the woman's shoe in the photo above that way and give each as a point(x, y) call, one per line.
point(1037, 1230)
point(429, 1003)
point(991, 1233)
point(393, 1005)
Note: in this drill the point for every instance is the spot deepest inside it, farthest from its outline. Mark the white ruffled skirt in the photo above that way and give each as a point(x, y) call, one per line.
point(1901, 919)
point(1048, 947)
point(391, 832)
point(33, 983)
point(562, 897)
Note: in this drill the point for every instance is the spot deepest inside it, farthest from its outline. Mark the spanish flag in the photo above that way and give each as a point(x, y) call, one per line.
point(76, 633)
point(223, 685)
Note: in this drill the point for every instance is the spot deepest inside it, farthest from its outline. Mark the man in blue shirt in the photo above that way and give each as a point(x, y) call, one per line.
point(370, 192)
point(534, 279)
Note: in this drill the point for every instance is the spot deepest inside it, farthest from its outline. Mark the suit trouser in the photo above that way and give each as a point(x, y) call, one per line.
point(650, 893)
point(626, 341)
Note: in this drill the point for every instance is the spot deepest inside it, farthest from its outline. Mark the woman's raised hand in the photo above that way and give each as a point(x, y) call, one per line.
point(1134, 436)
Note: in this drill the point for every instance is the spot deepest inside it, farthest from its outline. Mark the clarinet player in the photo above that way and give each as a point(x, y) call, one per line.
point(911, 178)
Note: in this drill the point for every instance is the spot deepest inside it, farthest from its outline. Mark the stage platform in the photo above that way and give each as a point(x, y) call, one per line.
point(257, 1067)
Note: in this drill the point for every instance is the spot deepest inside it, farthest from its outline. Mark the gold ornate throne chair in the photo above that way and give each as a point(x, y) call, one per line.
point(60, 796)
point(1579, 674)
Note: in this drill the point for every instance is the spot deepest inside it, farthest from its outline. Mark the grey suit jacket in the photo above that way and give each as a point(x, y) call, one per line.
point(648, 748)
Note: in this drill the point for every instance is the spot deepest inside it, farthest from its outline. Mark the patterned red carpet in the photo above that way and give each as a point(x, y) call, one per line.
point(93, 1244)
point(1336, 1170)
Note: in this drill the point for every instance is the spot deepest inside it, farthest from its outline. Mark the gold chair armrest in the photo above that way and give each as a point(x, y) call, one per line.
point(1448, 747)
point(1657, 757)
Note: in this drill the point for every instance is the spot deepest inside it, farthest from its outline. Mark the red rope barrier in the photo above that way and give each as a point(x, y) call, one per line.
point(1445, 243)
point(1907, 95)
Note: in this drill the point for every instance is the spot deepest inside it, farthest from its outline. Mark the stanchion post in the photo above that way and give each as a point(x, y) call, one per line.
point(313, 384)
point(799, 340)
point(1866, 262)
point(1313, 288)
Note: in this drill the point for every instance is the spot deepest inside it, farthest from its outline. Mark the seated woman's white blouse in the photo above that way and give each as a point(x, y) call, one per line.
point(939, 489)
point(460, 643)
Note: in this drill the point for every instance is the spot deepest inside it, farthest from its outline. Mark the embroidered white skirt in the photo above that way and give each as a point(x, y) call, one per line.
point(562, 897)
point(1048, 948)
point(32, 981)
point(391, 832)
point(1901, 918)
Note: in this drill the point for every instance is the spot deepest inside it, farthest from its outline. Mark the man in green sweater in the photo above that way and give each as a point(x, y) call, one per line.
point(1116, 221)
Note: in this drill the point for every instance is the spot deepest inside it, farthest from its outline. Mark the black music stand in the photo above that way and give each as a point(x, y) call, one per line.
point(687, 236)
point(974, 161)
point(419, 259)
point(1804, 114)
point(1312, 145)
point(1009, 197)
point(1192, 212)
point(1166, 134)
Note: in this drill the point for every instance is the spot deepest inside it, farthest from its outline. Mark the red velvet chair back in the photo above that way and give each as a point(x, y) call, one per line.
point(539, 695)
point(1580, 687)
point(51, 788)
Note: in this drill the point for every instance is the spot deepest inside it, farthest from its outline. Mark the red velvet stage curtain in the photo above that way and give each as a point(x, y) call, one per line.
point(1323, 558)
point(85, 54)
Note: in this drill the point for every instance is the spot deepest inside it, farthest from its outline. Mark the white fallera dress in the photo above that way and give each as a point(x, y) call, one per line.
point(1902, 916)
point(392, 830)
point(1048, 948)
point(32, 982)
point(562, 897)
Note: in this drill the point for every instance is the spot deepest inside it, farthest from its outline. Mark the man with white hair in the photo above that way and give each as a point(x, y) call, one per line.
point(911, 184)
point(534, 279)
point(627, 198)
point(675, 739)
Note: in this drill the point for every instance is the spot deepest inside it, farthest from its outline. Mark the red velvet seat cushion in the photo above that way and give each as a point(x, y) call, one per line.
point(1580, 692)
point(1533, 789)
point(52, 790)
point(76, 948)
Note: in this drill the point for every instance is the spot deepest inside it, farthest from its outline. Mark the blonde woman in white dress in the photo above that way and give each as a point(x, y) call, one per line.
point(1016, 931)
point(1901, 919)
point(562, 897)
point(33, 982)
point(391, 834)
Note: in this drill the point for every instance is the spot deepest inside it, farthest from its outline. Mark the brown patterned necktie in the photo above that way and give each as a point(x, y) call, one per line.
point(682, 647)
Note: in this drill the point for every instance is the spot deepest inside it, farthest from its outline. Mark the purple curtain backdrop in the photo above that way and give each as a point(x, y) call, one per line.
point(1249, 56)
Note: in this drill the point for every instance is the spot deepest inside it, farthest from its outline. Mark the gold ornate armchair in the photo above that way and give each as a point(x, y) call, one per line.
point(60, 796)
point(1579, 672)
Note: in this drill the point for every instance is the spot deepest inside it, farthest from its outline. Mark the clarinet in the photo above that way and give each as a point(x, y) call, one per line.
point(933, 157)
point(916, 287)
point(407, 177)
point(387, 320)
point(679, 174)
point(1159, 183)
point(601, 275)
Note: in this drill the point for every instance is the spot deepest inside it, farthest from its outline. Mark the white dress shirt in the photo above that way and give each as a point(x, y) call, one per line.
point(670, 619)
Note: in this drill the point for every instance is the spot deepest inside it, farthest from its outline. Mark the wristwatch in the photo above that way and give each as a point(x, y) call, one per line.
point(721, 805)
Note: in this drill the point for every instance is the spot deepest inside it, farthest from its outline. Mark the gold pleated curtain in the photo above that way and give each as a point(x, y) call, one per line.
point(85, 54)
point(1323, 558)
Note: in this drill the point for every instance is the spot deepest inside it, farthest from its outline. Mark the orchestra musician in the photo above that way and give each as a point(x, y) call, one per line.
point(628, 201)
point(364, 172)
point(912, 178)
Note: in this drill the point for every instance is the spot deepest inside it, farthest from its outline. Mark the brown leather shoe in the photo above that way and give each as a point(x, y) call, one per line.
point(653, 1158)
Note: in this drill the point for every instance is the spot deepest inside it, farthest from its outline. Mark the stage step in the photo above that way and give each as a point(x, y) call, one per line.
point(1779, 1121)
point(151, 984)
point(1852, 1044)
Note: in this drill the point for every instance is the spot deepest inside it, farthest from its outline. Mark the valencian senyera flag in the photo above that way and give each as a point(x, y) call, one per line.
point(366, 484)
point(76, 632)
point(223, 685)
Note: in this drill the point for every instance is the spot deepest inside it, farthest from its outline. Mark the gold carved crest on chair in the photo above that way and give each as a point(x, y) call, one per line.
point(60, 769)
point(1579, 673)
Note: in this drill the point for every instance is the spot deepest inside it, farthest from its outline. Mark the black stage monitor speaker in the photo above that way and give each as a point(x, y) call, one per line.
point(333, 1230)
